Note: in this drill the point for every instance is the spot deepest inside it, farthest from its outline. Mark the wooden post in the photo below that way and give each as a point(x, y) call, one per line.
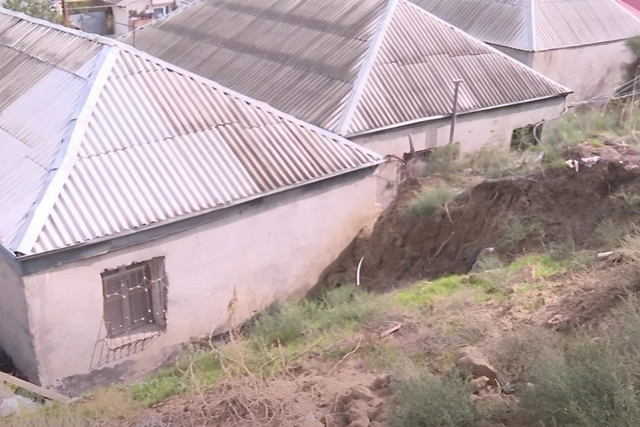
point(454, 114)
point(65, 14)
point(49, 394)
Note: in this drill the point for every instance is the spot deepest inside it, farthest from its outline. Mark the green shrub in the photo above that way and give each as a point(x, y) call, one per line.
point(427, 401)
point(430, 200)
point(516, 231)
point(595, 382)
point(589, 387)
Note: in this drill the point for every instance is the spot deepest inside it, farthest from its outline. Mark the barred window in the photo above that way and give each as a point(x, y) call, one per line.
point(135, 296)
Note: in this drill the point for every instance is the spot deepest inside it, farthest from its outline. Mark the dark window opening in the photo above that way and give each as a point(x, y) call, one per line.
point(525, 137)
point(135, 296)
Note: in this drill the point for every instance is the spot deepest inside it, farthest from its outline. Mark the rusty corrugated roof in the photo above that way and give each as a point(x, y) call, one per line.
point(350, 66)
point(102, 139)
point(538, 25)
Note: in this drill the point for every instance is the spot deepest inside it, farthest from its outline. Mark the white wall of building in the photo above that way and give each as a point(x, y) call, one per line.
point(15, 335)
point(589, 71)
point(473, 131)
point(268, 253)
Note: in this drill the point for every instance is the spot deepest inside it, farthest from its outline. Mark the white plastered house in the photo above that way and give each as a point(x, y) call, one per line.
point(137, 197)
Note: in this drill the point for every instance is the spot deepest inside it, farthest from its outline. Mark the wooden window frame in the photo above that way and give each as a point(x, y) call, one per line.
point(135, 297)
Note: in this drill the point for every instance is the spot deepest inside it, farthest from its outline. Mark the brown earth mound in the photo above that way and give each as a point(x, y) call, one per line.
point(560, 207)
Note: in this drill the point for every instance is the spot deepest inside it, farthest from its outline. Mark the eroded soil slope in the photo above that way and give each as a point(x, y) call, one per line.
point(555, 208)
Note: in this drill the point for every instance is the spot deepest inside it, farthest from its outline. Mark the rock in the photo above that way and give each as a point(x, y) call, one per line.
point(381, 381)
point(557, 320)
point(360, 422)
point(311, 421)
point(508, 388)
point(473, 360)
point(357, 413)
point(9, 406)
point(480, 384)
point(361, 392)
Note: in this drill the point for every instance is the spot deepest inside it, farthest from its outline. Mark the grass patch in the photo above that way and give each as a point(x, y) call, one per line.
point(545, 265)
point(422, 293)
point(430, 200)
point(595, 143)
point(156, 389)
point(340, 309)
point(427, 401)
point(443, 160)
point(274, 341)
point(492, 161)
point(190, 372)
point(387, 358)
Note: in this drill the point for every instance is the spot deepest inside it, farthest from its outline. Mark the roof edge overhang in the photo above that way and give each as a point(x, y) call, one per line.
point(445, 116)
point(34, 263)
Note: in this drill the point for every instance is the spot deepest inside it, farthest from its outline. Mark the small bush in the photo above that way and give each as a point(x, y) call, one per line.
point(609, 233)
point(443, 160)
point(427, 401)
point(492, 161)
point(516, 232)
point(595, 382)
point(430, 200)
point(631, 201)
point(285, 323)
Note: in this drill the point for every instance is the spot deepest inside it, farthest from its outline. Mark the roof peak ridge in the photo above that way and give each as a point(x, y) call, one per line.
point(367, 65)
point(68, 152)
point(532, 25)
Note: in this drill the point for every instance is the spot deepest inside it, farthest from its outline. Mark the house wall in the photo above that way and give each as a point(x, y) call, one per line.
point(589, 71)
point(473, 131)
point(15, 336)
point(267, 253)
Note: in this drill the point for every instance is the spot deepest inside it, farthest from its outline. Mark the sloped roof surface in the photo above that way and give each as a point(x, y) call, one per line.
point(349, 66)
point(538, 25)
point(632, 6)
point(100, 139)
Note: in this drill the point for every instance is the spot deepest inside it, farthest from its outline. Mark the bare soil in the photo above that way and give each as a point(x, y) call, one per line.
point(560, 206)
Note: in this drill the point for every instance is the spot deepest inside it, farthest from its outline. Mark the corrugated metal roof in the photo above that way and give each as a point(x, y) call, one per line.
point(349, 66)
point(538, 25)
point(126, 140)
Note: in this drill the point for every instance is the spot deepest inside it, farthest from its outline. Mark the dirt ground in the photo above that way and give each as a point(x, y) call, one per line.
point(561, 206)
